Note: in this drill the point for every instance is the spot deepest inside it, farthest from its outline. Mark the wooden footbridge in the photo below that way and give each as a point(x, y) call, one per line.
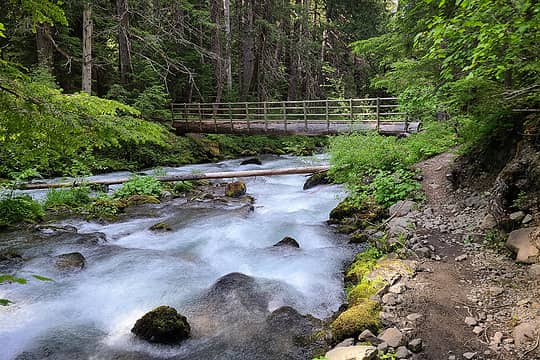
point(307, 117)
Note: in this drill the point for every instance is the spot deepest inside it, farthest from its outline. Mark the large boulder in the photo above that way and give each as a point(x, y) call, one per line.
point(70, 261)
point(162, 325)
point(524, 243)
point(289, 242)
point(235, 189)
point(316, 180)
point(402, 208)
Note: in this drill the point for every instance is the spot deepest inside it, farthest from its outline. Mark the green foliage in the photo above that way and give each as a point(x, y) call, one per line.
point(153, 103)
point(71, 198)
point(140, 185)
point(11, 279)
point(15, 209)
point(105, 208)
point(183, 187)
point(387, 188)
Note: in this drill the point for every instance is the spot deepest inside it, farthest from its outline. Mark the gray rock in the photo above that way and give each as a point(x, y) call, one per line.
point(524, 333)
point(488, 222)
point(469, 320)
point(415, 345)
point(71, 261)
point(414, 317)
point(402, 208)
point(496, 290)
point(517, 216)
point(403, 353)
point(461, 258)
point(346, 342)
point(534, 271)
point(393, 337)
point(470, 355)
point(400, 226)
point(382, 347)
point(520, 242)
point(527, 219)
point(390, 299)
point(368, 336)
point(497, 338)
point(478, 330)
point(288, 241)
point(397, 289)
point(357, 352)
point(452, 357)
point(423, 252)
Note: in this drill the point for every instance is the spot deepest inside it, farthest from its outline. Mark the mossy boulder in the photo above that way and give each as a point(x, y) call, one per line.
point(343, 210)
point(161, 226)
point(351, 322)
point(358, 215)
point(162, 325)
point(288, 242)
point(70, 261)
point(235, 189)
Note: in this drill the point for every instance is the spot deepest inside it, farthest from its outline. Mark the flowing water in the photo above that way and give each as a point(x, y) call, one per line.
point(89, 314)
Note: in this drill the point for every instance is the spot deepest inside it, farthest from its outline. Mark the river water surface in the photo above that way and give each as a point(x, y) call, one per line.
point(131, 270)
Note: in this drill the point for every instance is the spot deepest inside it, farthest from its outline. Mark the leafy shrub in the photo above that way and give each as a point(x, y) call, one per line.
point(14, 209)
point(388, 188)
point(140, 185)
point(72, 198)
point(106, 208)
point(183, 187)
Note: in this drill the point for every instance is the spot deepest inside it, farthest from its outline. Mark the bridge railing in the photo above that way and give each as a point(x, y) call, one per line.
point(289, 115)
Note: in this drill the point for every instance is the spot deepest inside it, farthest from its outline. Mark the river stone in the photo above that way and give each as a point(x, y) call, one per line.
point(527, 219)
point(403, 353)
point(162, 325)
point(357, 352)
point(524, 333)
point(393, 337)
point(288, 241)
point(489, 222)
point(252, 161)
point(517, 216)
point(368, 336)
point(520, 241)
point(235, 189)
point(316, 180)
point(70, 261)
point(415, 345)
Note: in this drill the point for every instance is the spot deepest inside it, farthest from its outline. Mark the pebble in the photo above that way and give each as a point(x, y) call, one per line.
point(452, 357)
point(382, 347)
point(390, 299)
point(527, 219)
point(414, 316)
point(497, 338)
point(478, 330)
point(461, 258)
point(523, 302)
point(469, 355)
point(402, 353)
point(346, 342)
point(496, 290)
point(415, 345)
point(469, 320)
point(397, 289)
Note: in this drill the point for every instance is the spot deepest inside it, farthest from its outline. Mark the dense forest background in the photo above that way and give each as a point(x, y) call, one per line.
point(79, 79)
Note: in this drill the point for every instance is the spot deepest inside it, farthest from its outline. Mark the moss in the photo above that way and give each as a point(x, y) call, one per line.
point(364, 290)
point(356, 319)
point(364, 263)
point(235, 189)
point(161, 226)
point(142, 199)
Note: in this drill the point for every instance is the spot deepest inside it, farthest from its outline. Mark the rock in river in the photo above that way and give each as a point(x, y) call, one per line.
point(288, 241)
point(316, 180)
point(252, 161)
point(235, 189)
point(162, 325)
point(70, 261)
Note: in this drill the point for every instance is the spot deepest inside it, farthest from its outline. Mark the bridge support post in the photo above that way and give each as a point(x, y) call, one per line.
point(378, 114)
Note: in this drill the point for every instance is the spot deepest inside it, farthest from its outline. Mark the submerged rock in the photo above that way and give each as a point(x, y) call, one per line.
point(162, 325)
point(316, 180)
point(235, 189)
point(161, 226)
point(288, 241)
point(10, 260)
point(70, 261)
point(252, 161)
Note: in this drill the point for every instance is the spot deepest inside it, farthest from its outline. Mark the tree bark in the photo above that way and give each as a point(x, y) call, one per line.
point(228, 44)
point(124, 46)
point(44, 47)
point(87, 48)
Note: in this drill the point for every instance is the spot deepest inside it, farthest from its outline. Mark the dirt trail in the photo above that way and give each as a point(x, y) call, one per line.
point(463, 278)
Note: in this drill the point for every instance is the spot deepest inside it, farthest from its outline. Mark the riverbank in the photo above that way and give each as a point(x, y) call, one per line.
point(464, 296)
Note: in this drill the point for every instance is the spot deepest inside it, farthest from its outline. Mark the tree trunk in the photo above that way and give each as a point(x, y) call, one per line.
point(215, 16)
point(44, 47)
point(87, 49)
point(228, 44)
point(124, 47)
point(248, 48)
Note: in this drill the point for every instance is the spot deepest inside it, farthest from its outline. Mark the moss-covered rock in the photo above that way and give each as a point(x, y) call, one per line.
point(356, 214)
point(356, 319)
point(71, 261)
point(235, 189)
point(161, 226)
point(317, 179)
point(162, 325)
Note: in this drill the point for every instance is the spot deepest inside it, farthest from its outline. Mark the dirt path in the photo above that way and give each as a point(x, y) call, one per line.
point(463, 280)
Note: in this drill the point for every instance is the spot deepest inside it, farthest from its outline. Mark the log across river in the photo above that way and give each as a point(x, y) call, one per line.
point(183, 177)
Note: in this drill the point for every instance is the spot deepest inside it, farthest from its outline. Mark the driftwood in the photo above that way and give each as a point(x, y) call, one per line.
point(183, 177)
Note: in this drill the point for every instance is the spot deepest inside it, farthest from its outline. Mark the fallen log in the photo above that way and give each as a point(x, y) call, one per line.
point(182, 177)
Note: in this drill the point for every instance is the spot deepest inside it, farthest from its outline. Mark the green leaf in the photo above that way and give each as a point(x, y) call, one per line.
point(5, 302)
point(10, 279)
point(42, 278)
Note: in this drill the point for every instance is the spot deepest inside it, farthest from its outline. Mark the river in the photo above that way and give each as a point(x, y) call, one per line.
point(131, 270)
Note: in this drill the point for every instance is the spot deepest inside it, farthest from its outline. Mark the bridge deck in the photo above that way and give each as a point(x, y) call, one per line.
point(313, 117)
